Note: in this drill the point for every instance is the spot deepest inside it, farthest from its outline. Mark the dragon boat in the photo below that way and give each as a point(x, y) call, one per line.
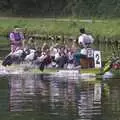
point(88, 66)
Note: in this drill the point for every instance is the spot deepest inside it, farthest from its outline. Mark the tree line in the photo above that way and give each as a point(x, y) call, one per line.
point(56, 8)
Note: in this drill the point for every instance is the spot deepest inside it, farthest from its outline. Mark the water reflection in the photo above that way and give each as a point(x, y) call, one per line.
point(89, 100)
point(26, 91)
point(111, 100)
point(55, 95)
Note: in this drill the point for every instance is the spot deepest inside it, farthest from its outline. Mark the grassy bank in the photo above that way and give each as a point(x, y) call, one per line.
point(101, 28)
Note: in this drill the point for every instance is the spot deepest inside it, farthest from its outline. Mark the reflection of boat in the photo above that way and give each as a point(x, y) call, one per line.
point(26, 90)
point(89, 100)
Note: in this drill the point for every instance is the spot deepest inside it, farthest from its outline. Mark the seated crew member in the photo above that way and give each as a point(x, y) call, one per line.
point(45, 47)
point(31, 43)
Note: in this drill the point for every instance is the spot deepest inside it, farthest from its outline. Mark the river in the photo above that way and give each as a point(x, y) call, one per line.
point(49, 97)
point(46, 97)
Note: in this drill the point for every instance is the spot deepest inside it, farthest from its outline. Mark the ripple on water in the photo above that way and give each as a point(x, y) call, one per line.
point(55, 96)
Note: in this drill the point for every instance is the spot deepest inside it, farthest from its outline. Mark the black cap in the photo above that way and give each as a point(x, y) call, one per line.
point(82, 30)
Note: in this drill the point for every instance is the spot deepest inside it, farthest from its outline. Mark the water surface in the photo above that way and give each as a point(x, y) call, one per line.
point(46, 97)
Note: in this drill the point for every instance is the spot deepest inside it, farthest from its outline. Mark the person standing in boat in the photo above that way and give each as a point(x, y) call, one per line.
point(16, 39)
point(86, 53)
point(85, 41)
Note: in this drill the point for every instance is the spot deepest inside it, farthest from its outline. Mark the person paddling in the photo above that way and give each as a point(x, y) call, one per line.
point(16, 39)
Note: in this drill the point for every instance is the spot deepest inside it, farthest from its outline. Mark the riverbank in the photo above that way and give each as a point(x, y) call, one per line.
point(69, 26)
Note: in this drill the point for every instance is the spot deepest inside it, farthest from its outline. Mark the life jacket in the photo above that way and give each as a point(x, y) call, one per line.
point(17, 36)
point(86, 39)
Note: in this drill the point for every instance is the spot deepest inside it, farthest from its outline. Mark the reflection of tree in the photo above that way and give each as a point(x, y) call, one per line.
point(3, 95)
point(111, 102)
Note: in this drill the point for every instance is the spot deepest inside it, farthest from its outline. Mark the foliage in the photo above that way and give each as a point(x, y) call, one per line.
point(55, 8)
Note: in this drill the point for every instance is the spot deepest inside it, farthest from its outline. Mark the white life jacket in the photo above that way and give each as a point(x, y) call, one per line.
point(83, 51)
point(85, 40)
point(18, 53)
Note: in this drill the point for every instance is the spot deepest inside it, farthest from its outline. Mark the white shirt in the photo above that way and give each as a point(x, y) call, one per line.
point(85, 38)
point(53, 51)
point(91, 38)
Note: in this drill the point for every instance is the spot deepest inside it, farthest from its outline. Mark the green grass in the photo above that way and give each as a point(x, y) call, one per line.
point(4, 41)
point(108, 28)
